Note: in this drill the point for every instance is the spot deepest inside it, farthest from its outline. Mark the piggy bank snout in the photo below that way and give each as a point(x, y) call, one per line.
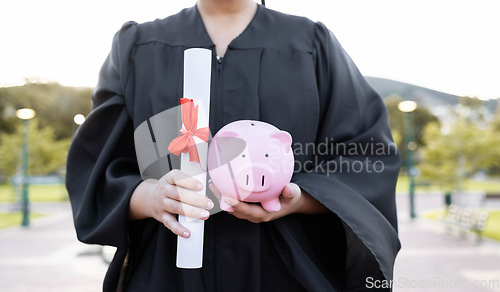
point(254, 179)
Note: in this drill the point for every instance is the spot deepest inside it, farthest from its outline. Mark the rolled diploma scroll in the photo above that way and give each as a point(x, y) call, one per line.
point(197, 74)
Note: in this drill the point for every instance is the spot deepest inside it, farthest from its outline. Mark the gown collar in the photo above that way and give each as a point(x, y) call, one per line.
point(243, 41)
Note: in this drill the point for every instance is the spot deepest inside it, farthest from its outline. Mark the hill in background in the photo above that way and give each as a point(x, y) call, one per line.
point(435, 101)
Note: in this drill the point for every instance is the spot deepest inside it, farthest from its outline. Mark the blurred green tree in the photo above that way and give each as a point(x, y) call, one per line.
point(471, 102)
point(495, 128)
point(421, 118)
point(448, 158)
point(47, 155)
point(495, 124)
point(55, 106)
point(8, 119)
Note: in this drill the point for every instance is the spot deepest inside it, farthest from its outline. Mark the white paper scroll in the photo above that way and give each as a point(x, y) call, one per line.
point(197, 76)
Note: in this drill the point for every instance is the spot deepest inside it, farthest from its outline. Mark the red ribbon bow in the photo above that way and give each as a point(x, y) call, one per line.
point(185, 142)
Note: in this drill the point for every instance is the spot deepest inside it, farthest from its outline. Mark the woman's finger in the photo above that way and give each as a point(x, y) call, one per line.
point(170, 221)
point(179, 178)
point(287, 192)
point(290, 191)
point(176, 207)
point(249, 211)
point(188, 197)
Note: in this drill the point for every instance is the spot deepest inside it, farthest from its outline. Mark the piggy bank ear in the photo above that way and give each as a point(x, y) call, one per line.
point(284, 138)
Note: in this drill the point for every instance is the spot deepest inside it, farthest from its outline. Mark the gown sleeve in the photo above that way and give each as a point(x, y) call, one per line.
point(102, 169)
point(356, 163)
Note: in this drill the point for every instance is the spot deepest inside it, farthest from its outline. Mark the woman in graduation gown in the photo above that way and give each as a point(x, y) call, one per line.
point(337, 226)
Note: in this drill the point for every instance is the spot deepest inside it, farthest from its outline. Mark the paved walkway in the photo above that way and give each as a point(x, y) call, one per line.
point(432, 259)
point(47, 256)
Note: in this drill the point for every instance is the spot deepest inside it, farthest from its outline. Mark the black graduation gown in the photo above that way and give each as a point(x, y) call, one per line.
point(284, 70)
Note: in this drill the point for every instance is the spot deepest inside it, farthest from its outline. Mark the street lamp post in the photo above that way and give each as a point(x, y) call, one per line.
point(25, 115)
point(408, 107)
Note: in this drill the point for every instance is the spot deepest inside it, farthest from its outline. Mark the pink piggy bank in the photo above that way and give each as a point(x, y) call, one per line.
point(251, 161)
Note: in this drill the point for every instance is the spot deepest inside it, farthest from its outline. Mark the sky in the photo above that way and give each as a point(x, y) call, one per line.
point(447, 45)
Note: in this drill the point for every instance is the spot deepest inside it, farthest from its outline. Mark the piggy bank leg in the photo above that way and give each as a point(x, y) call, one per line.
point(272, 205)
point(224, 206)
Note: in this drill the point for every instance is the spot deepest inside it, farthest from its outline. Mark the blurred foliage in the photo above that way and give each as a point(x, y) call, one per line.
point(55, 106)
point(472, 109)
point(495, 124)
point(47, 155)
point(8, 118)
point(470, 102)
point(464, 142)
point(421, 117)
point(50, 131)
point(448, 158)
point(495, 128)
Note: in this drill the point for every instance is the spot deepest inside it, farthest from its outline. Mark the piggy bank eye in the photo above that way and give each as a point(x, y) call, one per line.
point(267, 155)
point(243, 155)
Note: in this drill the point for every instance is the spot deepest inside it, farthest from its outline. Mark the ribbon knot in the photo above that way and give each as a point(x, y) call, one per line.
point(185, 142)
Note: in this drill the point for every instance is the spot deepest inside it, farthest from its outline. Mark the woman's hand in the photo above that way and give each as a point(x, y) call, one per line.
point(163, 199)
point(292, 199)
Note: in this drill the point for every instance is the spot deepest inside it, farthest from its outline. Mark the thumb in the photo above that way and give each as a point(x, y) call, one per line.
point(290, 191)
